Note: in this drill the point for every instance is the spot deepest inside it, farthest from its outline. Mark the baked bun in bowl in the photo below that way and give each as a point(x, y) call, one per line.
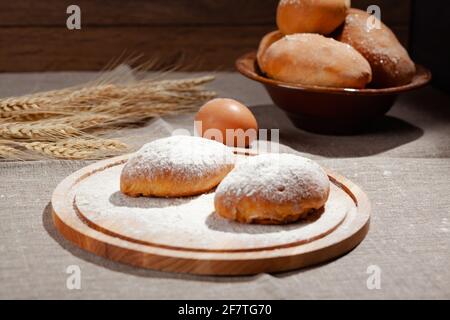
point(265, 43)
point(311, 16)
point(272, 189)
point(314, 60)
point(329, 110)
point(389, 60)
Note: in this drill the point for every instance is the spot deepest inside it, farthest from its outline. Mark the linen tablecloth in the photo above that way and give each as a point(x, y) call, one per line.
point(402, 163)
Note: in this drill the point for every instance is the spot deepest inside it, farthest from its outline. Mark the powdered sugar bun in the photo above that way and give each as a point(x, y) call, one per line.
point(176, 166)
point(272, 189)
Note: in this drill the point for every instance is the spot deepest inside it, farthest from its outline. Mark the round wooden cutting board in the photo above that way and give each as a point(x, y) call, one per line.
point(186, 235)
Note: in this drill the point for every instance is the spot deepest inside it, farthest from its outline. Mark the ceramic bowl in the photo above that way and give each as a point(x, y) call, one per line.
point(329, 110)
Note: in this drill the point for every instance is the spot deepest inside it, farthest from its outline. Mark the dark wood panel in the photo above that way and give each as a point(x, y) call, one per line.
point(198, 48)
point(139, 12)
point(396, 13)
point(429, 44)
point(403, 35)
point(157, 12)
point(210, 34)
point(43, 49)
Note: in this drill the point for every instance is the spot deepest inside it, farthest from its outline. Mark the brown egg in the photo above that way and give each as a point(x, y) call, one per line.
point(227, 121)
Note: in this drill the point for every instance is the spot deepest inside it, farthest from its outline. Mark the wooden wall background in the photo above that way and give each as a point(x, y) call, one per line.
point(201, 34)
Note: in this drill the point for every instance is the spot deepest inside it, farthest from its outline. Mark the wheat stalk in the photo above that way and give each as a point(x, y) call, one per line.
point(96, 144)
point(7, 152)
point(27, 109)
point(19, 104)
point(179, 84)
point(12, 106)
point(18, 131)
point(77, 149)
point(67, 123)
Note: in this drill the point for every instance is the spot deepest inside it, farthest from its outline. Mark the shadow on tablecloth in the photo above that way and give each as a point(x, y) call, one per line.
point(383, 135)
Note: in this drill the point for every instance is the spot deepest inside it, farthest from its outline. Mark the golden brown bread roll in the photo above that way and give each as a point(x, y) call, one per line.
point(311, 16)
point(265, 43)
point(311, 59)
point(177, 166)
point(272, 189)
point(390, 62)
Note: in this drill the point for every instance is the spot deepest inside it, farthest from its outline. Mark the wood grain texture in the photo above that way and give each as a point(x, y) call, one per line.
point(173, 12)
point(210, 34)
point(38, 49)
point(194, 48)
point(343, 239)
point(139, 12)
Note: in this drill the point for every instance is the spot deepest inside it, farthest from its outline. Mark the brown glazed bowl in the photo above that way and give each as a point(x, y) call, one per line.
point(329, 110)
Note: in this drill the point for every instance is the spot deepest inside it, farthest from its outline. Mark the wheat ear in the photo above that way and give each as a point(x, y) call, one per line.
point(77, 149)
point(7, 152)
point(37, 131)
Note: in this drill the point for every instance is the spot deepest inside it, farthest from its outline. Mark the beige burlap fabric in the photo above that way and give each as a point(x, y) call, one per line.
point(403, 164)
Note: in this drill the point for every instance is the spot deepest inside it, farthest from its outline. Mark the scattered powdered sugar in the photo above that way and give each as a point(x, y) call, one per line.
point(188, 156)
point(275, 177)
point(290, 2)
point(191, 222)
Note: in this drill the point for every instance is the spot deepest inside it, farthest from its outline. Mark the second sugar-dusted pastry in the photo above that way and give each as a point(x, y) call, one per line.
point(272, 189)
